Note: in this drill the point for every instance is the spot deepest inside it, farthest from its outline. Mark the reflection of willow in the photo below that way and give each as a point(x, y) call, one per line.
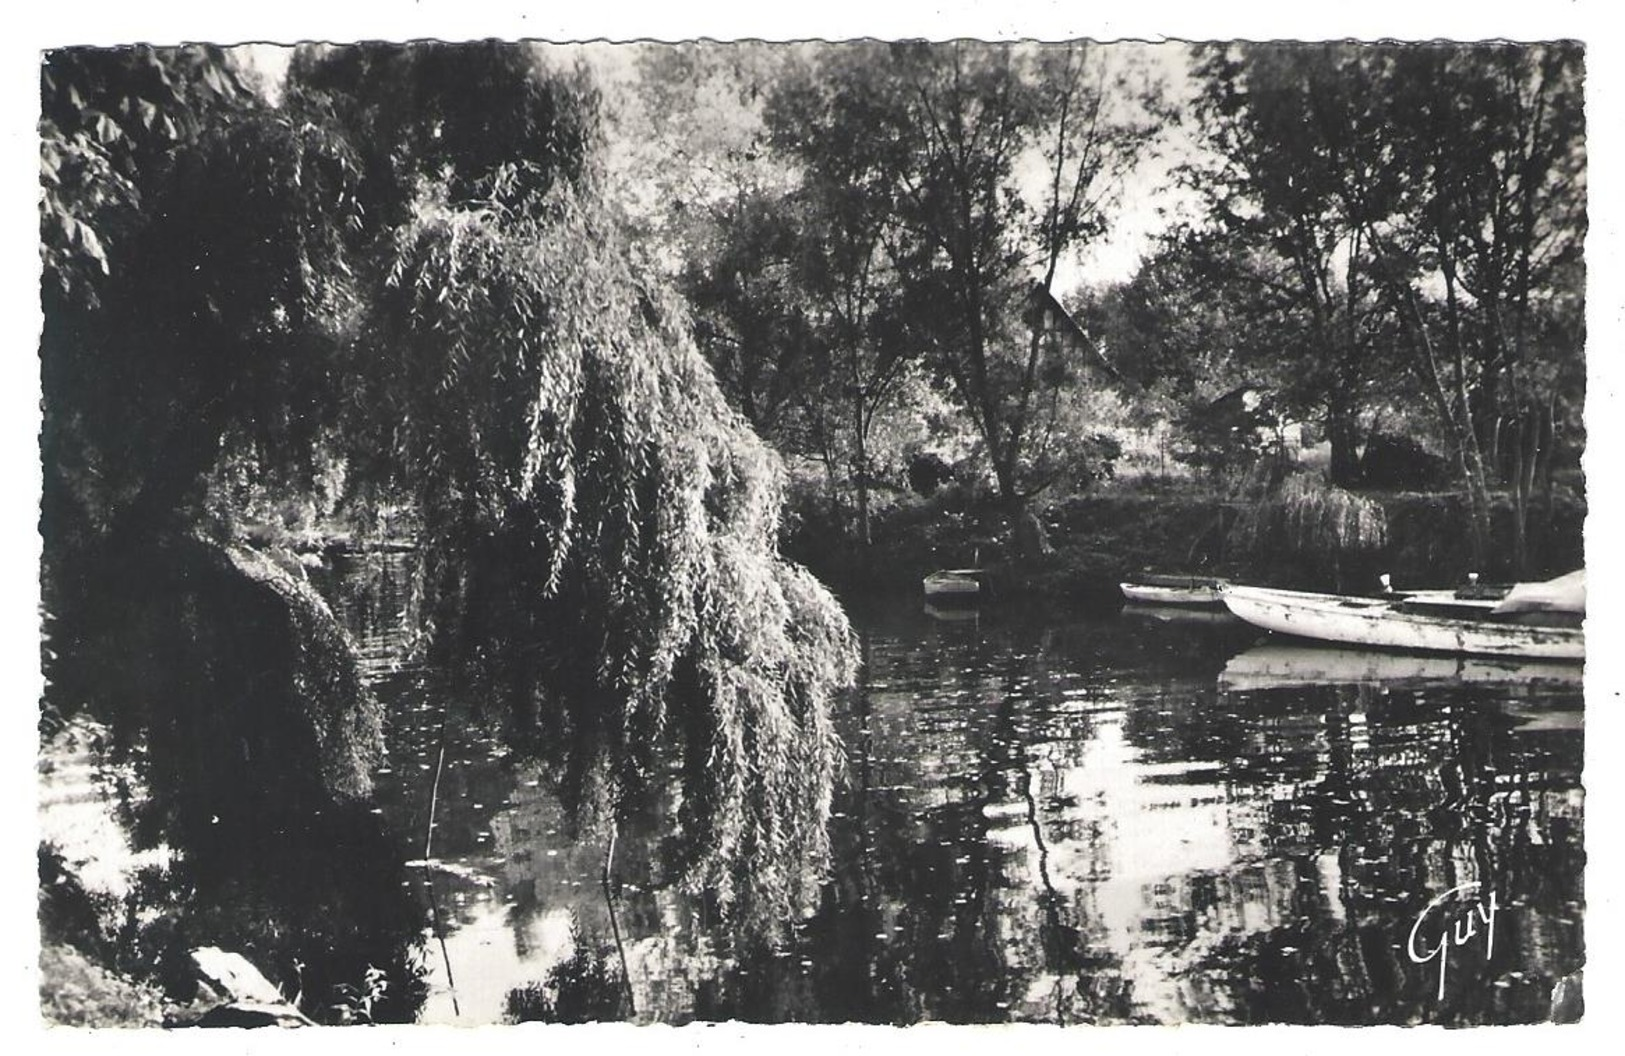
point(428, 861)
point(907, 929)
point(942, 872)
point(1060, 942)
point(584, 988)
point(226, 667)
point(1504, 787)
point(607, 882)
point(752, 787)
point(376, 595)
point(978, 978)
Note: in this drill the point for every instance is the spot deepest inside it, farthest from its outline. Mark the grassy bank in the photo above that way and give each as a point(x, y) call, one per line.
point(1097, 539)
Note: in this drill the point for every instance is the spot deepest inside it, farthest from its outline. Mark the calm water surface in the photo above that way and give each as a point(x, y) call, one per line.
point(1127, 817)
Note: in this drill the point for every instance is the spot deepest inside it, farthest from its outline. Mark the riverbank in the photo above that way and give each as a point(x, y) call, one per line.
point(1099, 539)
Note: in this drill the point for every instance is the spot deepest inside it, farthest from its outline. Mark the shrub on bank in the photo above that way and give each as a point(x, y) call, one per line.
point(1099, 537)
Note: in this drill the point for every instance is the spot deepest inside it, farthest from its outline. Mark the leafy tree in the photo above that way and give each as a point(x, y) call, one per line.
point(751, 320)
point(1494, 216)
point(1281, 125)
point(482, 116)
point(408, 268)
point(972, 118)
point(219, 306)
point(845, 202)
point(868, 209)
point(106, 117)
point(1190, 345)
point(601, 449)
point(1446, 186)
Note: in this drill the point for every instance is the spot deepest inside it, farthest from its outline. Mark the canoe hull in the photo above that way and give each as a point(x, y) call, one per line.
point(1379, 624)
point(1180, 615)
point(1151, 594)
point(952, 584)
point(945, 611)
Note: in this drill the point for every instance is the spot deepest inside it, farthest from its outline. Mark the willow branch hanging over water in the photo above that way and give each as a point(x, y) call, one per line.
point(600, 530)
point(399, 276)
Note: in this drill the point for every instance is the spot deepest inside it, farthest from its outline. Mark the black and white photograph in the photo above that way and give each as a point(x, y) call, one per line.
point(1015, 527)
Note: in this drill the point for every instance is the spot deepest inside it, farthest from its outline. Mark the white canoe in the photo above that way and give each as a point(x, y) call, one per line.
point(953, 582)
point(1386, 624)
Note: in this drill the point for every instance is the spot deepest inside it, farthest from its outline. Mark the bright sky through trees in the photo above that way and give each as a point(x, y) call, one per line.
point(1150, 198)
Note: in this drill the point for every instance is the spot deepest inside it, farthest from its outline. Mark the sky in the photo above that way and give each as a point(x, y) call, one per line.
point(1150, 199)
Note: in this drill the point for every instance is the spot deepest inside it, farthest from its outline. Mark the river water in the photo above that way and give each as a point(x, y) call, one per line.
point(1122, 817)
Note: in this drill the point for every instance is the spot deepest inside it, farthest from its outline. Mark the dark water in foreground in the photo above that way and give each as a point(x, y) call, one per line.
point(1116, 818)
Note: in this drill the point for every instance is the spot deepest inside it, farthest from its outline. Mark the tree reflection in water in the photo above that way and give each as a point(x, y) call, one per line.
point(270, 846)
point(1065, 823)
point(588, 987)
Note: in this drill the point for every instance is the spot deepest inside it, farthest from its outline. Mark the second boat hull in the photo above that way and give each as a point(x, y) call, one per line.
point(954, 583)
point(1152, 594)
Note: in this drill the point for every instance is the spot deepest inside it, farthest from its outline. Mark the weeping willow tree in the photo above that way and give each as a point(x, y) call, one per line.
point(404, 268)
point(1306, 520)
point(600, 534)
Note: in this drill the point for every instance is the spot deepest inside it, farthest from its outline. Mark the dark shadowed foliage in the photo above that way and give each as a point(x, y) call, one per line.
point(587, 987)
point(399, 283)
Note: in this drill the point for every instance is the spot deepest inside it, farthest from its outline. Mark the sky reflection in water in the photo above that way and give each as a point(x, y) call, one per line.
point(1124, 818)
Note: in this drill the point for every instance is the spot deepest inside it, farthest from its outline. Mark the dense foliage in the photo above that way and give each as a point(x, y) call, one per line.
point(401, 281)
point(1377, 242)
point(1408, 222)
point(589, 447)
point(894, 212)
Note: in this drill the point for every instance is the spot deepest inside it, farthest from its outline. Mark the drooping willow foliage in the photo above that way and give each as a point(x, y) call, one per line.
point(403, 271)
point(601, 530)
point(1315, 522)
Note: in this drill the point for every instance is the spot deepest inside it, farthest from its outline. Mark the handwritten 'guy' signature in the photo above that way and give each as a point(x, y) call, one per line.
point(1455, 921)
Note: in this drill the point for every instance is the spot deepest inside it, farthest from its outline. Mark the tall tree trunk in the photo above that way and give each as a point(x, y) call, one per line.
point(1531, 450)
point(833, 482)
point(861, 476)
point(1470, 473)
point(1454, 414)
point(1471, 461)
point(1478, 494)
point(1343, 433)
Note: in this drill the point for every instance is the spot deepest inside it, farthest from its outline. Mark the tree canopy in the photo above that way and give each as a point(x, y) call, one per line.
point(404, 275)
point(873, 222)
point(1389, 232)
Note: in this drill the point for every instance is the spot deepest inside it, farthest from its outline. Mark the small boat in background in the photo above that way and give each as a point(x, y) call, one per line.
point(1151, 589)
point(1537, 621)
point(954, 583)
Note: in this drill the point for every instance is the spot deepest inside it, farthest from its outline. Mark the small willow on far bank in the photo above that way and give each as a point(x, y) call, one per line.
point(1307, 515)
point(601, 537)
